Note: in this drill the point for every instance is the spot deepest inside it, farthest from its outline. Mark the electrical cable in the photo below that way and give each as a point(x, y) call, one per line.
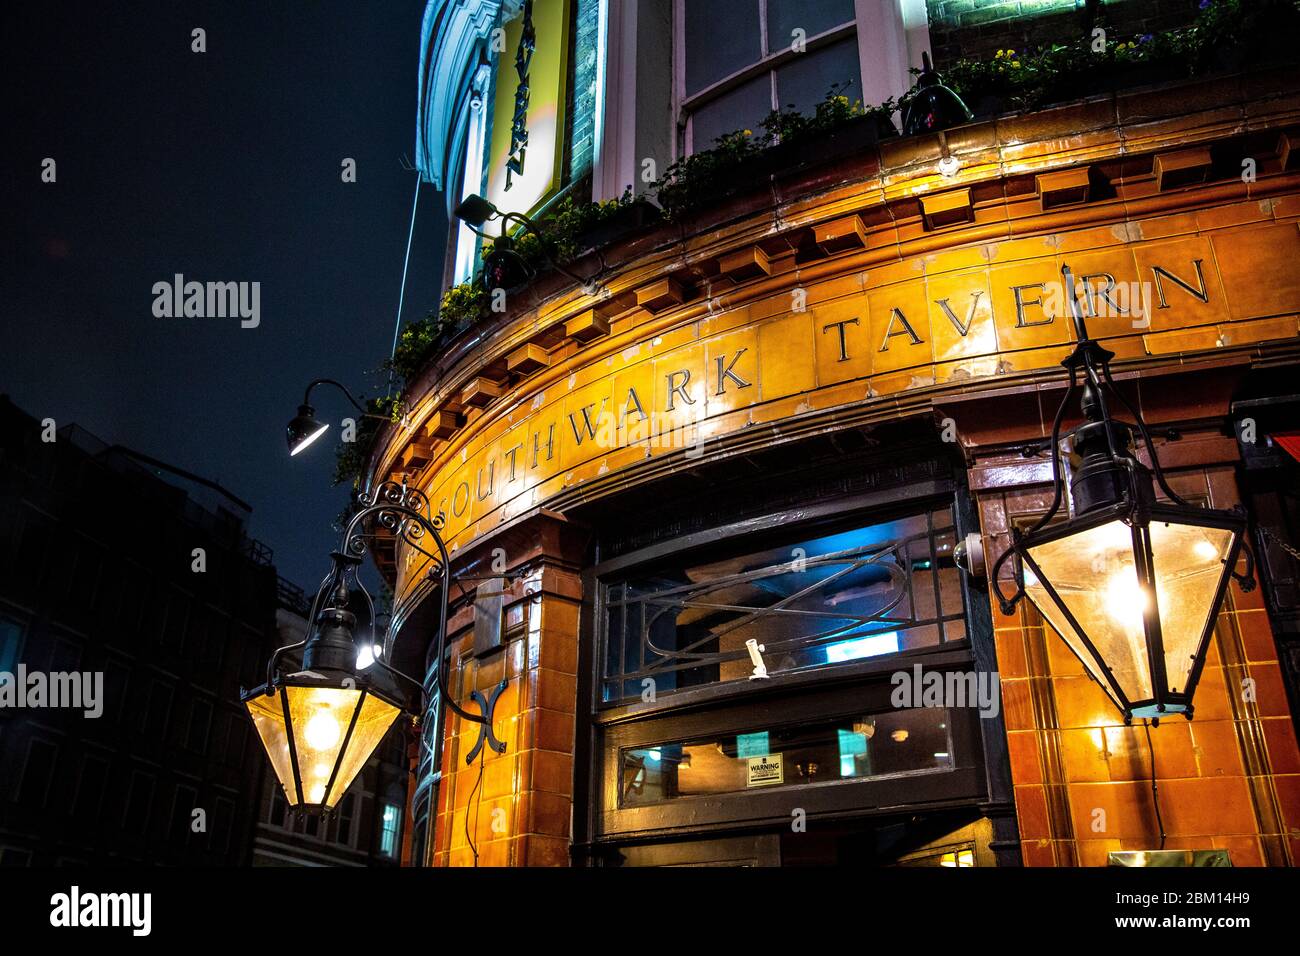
point(1155, 797)
point(401, 295)
point(469, 837)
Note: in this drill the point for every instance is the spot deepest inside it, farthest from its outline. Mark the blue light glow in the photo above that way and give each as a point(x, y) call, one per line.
point(859, 647)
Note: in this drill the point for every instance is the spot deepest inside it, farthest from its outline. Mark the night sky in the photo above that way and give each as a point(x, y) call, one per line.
point(222, 166)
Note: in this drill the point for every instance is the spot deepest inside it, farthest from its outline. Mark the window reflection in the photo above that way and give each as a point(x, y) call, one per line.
point(825, 751)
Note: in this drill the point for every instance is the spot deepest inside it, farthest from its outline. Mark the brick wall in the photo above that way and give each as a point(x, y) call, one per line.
point(964, 28)
point(581, 120)
point(514, 808)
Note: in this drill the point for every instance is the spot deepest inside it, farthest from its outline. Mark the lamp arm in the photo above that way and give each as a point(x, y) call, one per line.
point(1146, 441)
point(397, 514)
point(306, 398)
point(1246, 580)
point(1008, 605)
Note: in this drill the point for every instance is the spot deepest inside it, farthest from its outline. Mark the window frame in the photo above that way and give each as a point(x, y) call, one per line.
point(686, 104)
point(861, 511)
point(830, 690)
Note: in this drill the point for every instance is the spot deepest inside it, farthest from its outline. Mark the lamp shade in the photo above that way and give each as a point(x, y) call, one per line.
point(474, 210)
point(303, 429)
point(1135, 596)
point(504, 268)
point(933, 106)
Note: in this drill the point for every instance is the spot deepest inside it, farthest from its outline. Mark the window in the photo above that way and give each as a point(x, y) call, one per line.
point(389, 823)
point(346, 811)
point(11, 640)
point(89, 800)
point(139, 802)
point(196, 737)
point(472, 181)
point(279, 807)
point(746, 58)
point(813, 601)
point(183, 804)
point(38, 772)
point(158, 712)
point(226, 822)
point(824, 751)
point(237, 741)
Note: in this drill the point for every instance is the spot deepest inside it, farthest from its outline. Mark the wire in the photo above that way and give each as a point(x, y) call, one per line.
point(469, 837)
point(1155, 797)
point(401, 295)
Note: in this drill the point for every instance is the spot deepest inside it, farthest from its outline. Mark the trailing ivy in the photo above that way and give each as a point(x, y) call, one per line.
point(351, 457)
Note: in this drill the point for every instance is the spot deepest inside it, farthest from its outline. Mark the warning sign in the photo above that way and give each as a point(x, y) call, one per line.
point(765, 771)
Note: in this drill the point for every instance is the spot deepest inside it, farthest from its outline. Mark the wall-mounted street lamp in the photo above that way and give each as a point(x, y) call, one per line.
point(321, 722)
point(504, 267)
point(1133, 585)
point(304, 428)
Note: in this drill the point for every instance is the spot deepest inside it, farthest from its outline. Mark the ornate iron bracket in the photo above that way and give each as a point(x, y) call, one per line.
point(486, 734)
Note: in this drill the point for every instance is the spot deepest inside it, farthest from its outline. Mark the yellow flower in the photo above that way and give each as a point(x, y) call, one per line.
point(1011, 53)
point(749, 133)
point(999, 55)
point(1015, 62)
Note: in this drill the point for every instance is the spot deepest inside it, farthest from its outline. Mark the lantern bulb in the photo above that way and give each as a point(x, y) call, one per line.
point(1206, 551)
point(1126, 599)
point(322, 731)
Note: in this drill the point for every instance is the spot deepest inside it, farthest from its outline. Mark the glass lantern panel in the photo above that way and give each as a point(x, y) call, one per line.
point(1190, 562)
point(268, 719)
point(1094, 575)
point(372, 723)
point(320, 717)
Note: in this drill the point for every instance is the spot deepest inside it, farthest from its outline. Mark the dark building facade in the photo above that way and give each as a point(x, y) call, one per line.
point(98, 557)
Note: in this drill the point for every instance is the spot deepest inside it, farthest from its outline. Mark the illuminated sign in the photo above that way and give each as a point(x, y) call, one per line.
point(527, 150)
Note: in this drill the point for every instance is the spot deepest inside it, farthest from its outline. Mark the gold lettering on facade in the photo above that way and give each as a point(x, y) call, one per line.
point(727, 373)
point(588, 426)
point(970, 315)
point(633, 401)
point(511, 455)
point(1090, 295)
point(674, 390)
point(897, 313)
point(844, 347)
point(1200, 293)
point(456, 509)
point(550, 444)
point(491, 470)
point(1017, 290)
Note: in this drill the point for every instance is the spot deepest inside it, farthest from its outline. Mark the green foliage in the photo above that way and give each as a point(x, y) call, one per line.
point(703, 176)
point(351, 457)
point(700, 177)
point(1032, 78)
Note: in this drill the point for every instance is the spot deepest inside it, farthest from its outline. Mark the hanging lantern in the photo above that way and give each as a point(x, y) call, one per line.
point(320, 725)
point(1132, 584)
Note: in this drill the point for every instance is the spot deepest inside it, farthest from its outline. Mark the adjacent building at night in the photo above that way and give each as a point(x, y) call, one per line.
point(773, 413)
point(98, 576)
